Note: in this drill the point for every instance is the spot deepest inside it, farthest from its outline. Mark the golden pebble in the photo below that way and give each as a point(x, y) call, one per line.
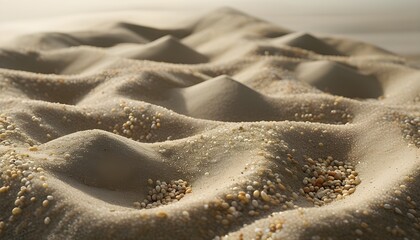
point(4, 189)
point(256, 194)
point(33, 148)
point(229, 196)
point(16, 211)
point(161, 214)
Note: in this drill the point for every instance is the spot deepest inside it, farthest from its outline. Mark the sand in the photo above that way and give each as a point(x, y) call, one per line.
point(223, 126)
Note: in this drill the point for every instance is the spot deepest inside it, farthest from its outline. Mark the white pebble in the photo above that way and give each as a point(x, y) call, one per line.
point(387, 206)
point(265, 196)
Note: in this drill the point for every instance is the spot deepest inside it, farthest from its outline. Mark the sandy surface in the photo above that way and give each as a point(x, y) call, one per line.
point(218, 126)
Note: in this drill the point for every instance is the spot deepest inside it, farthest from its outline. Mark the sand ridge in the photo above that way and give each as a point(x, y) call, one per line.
point(223, 127)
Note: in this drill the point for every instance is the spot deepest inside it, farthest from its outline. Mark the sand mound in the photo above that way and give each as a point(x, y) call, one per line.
point(165, 49)
point(223, 127)
point(228, 99)
point(105, 35)
point(339, 79)
point(306, 41)
point(100, 159)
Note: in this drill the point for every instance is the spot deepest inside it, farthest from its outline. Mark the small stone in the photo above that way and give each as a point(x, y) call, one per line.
point(387, 206)
point(33, 148)
point(364, 225)
point(265, 196)
point(225, 222)
point(185, 213)
point(16, 211)
point(229, 196)
point(4, 189)
point(411, 216)
point(161, 214)
point(256, 194)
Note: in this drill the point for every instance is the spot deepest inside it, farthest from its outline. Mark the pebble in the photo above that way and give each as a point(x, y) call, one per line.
point(387, 206)
point(265, 196)
point(33, 148)
point(47, 220)
point(4, 189)
point(397, 210)
point(16, 211)
point(229, 196)
point(256, 194)
point(185, 213)
point(161, 214)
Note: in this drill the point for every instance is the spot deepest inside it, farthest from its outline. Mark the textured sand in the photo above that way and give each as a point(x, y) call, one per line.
point(274, 133)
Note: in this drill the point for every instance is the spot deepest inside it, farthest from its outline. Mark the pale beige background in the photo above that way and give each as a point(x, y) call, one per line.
point(391, 24)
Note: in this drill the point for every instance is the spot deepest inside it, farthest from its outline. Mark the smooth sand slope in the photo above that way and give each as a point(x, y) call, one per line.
point(223, 127)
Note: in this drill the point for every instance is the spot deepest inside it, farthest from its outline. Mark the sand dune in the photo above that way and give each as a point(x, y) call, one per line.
point(226, 126)
point(165, 49)
point(107, 35)
point(339, 80)
point(306, 41)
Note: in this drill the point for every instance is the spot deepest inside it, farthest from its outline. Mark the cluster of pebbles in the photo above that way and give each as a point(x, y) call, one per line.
point(410, 126)
point(328, 179)
point(255, 198)
point(162, 193)
point(21, 178)
point(140, 124)
point(329, 112)
point(411, 129)
point(22, 182)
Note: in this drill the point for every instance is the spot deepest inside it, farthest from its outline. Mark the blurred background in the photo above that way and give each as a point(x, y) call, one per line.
point(391, 24)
